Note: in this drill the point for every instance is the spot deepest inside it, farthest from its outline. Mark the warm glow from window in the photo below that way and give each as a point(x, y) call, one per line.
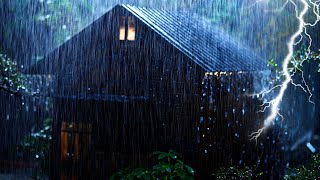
point(127, 28)
point(64, 145)
point(131, 29)
point(70, 139)
point(75, 142)
point(122, 32)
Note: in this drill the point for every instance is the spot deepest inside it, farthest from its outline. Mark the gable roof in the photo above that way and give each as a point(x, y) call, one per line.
point(205, 44)
point(208, 46)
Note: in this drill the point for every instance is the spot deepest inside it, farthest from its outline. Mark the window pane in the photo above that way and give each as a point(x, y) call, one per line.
point(131, 29)
point(76, 147)
point(122, 30)
point(64, 145)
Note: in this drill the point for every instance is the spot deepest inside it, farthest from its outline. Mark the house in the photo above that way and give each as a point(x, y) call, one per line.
point(138, 80)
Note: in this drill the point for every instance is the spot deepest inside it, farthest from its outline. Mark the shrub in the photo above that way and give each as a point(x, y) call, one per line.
point(169, 166)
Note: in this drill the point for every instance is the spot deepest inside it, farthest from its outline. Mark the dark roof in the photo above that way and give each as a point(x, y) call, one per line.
point(211, 48)
point(208, 46)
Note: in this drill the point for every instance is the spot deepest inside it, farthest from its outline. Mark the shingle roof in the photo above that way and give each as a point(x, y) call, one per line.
point(211, 48)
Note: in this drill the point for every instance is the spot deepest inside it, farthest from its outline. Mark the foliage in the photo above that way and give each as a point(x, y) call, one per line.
point(169, 166)
point(10, 79)
point(38, 145)
point(312, 171)
point(34, 25)
point(296, 64)
point(254, 22)
point(300, 57)
point(64, 17)
point(232, 172)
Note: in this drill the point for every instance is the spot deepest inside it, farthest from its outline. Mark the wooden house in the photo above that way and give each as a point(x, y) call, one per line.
point(138, 80)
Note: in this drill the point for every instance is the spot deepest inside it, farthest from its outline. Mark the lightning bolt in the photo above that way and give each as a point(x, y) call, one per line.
point(302, 30)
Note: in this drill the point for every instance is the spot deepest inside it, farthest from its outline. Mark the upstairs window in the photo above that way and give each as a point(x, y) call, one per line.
point(127, 28)
point(131, 29)
point(122, 29)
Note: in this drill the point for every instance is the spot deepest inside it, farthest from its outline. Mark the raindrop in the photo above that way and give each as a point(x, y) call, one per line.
point(229, 124)
point(201, 119)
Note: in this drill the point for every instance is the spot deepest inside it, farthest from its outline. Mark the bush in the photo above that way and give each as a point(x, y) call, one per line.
point(38, 146)
point(169, 166)
point(311, 171)
point(227, 173)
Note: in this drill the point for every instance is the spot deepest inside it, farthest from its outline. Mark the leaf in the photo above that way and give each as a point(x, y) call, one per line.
point(189, 169)
point(178, 166)
point(162, 155)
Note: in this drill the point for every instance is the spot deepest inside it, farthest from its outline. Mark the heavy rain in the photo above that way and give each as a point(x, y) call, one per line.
point(159, 89)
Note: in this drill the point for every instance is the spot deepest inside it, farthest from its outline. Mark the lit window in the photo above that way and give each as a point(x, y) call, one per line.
point(131, 29)
point(122, 28)
point(64, 145)
point(129, 32)
point(71, 133)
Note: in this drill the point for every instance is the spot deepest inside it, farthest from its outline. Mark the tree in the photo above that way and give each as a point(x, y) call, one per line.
point(10, 79)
